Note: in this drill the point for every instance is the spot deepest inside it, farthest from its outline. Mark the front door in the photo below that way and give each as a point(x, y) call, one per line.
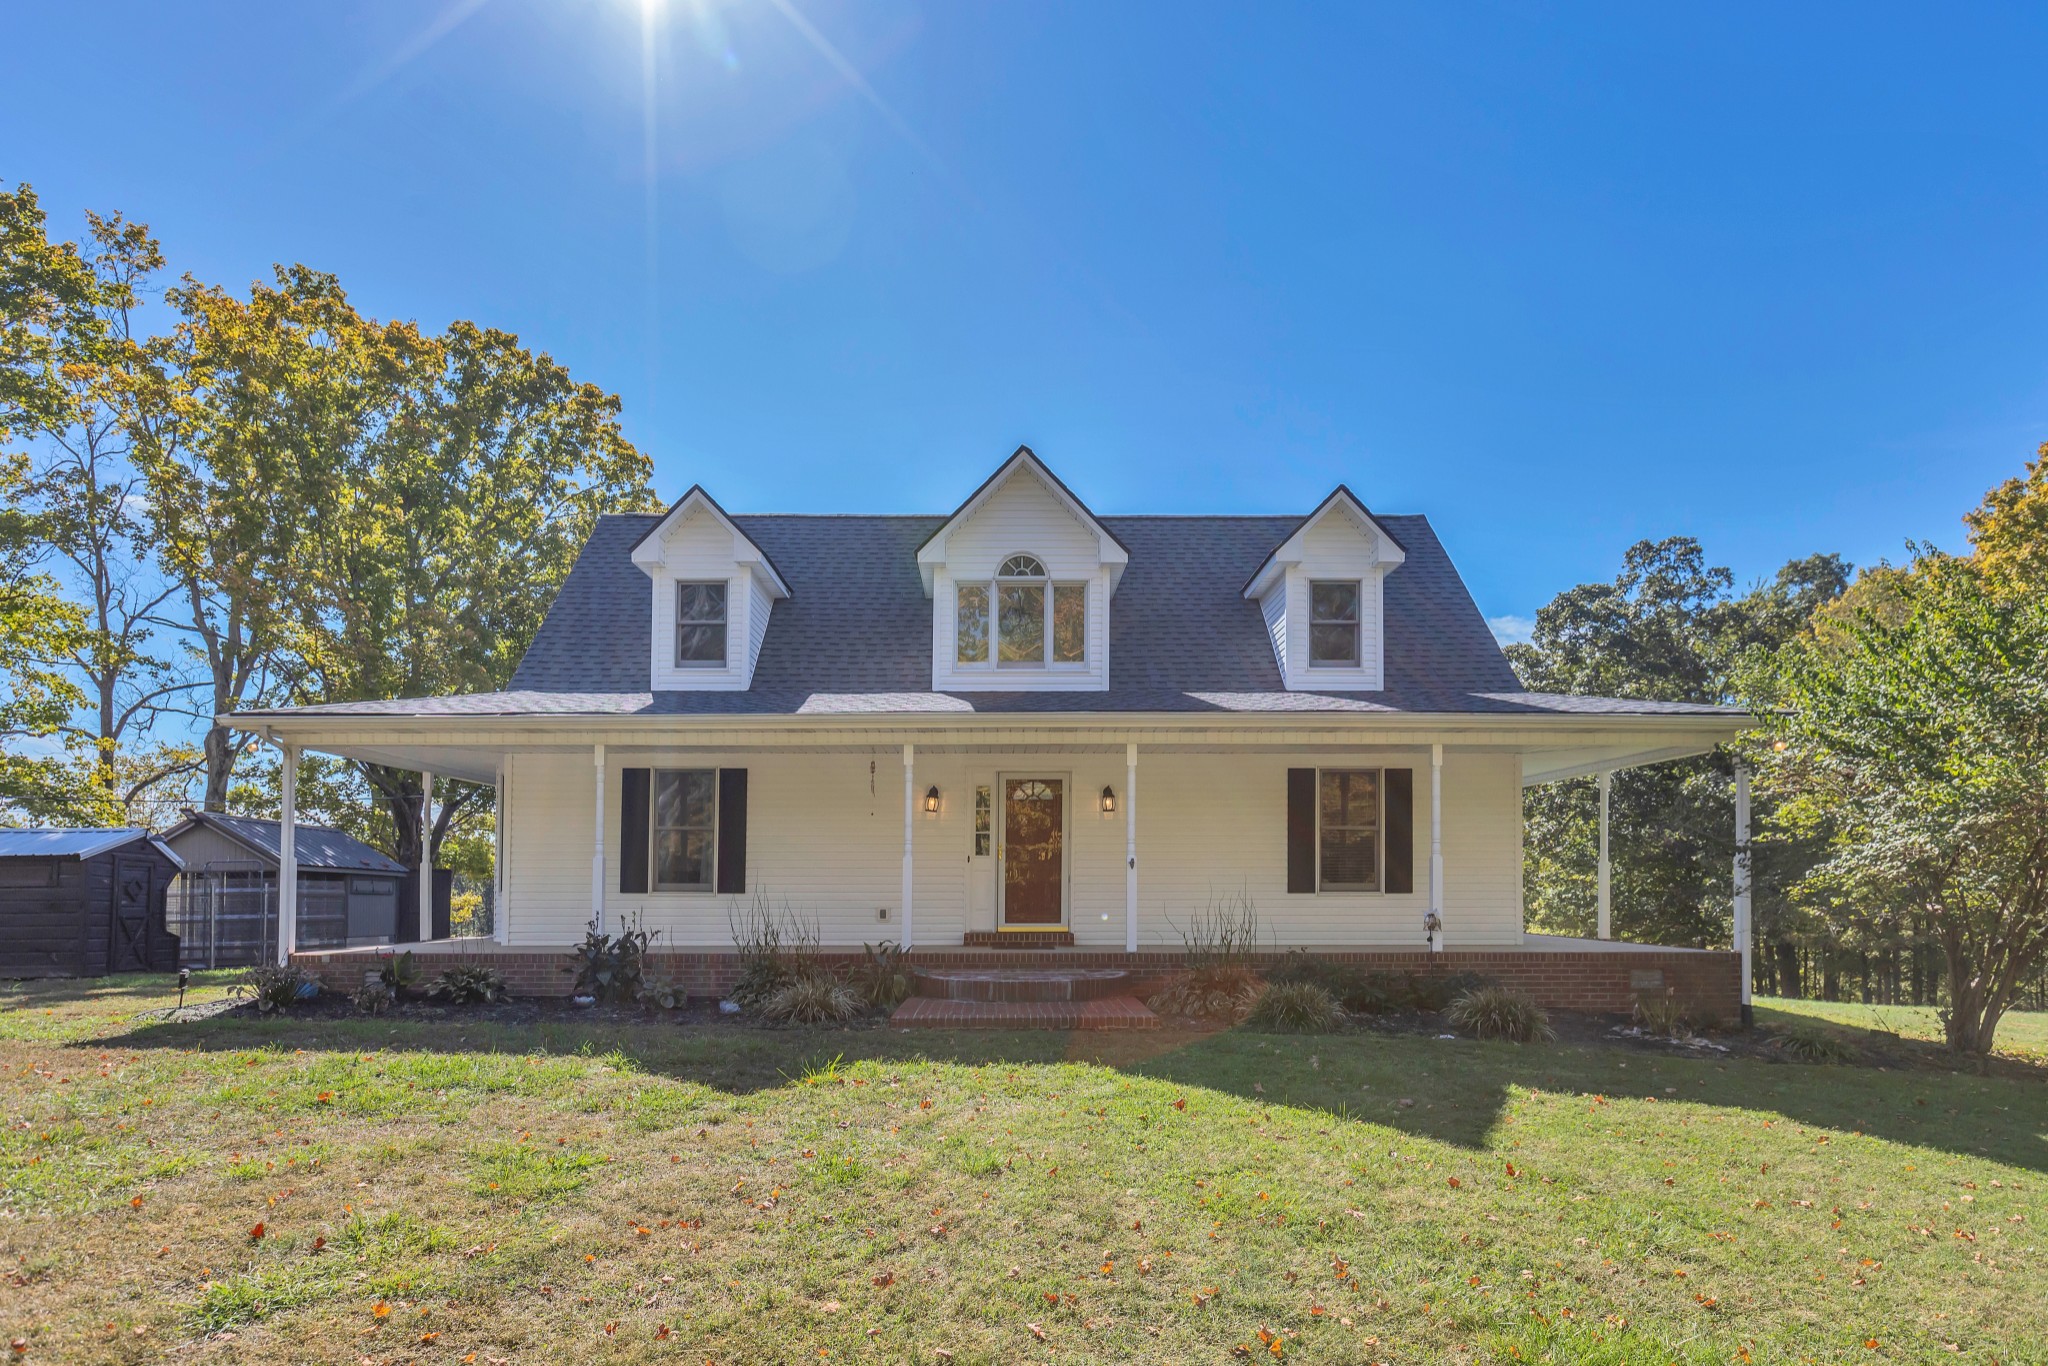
point(128, 935)
point(1034, 852)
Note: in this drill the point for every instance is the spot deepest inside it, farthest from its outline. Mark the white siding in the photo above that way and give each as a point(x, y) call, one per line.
point(760, 606)
point(699, 549)
point(1023, 517)
point(825, 837)
point(1334, 548)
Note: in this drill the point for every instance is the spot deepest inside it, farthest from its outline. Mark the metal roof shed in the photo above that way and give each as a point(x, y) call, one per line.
point(82, 903)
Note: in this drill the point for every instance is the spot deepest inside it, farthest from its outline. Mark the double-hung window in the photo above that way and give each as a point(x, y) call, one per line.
point(700, 625)
point(1022, 618)
point(1348, 829)
point(685, 828)
point(1333, 623)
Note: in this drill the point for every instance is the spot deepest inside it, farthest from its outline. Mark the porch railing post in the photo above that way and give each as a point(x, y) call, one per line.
point(288, 858)
point(909, 833)
point(1742, 885)
point(1606, 883)
point(426, 906)
point(597, 848)
point(1131, 848)
point(1436, 848)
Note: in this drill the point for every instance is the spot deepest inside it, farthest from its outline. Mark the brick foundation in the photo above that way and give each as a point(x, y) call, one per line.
point(1590, 980)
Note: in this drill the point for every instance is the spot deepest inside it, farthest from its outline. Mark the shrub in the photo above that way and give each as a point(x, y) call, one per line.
point(612, 968)
point(1295, 1008)
point(1363, 993)
point(398, 973)
point(1221, 934)
point(1209, 993)
point(273, 988)
point(1374, 993)
point(813, 999)
point(776, 949)
point(883, 976)
point(1662, 1013)
point(1809, 1044)
point(1436, 990)
point(372, 999)
point(1500, 1013)
point(469, 984)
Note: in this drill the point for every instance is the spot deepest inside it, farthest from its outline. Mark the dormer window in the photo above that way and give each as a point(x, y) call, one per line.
point(700, 625)
point(1333, 624)
point(1037, 623)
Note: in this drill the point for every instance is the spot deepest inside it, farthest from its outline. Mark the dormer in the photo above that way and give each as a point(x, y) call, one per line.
point(1020, 579)
point(713, 592)
point(1322, 594)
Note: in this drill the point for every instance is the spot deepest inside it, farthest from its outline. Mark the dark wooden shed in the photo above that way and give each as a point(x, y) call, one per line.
point(84, 903)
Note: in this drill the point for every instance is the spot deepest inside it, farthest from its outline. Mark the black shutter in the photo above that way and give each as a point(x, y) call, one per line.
point(1400, 785)
point(732, 830)
point(1301, 830)
point(633, 826)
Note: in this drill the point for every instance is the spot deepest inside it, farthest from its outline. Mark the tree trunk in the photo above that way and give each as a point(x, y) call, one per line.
point(1788, 968)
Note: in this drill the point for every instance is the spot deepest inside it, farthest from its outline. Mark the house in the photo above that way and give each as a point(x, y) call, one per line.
point(83, 903)
point(224, 906)
point(1024, 727)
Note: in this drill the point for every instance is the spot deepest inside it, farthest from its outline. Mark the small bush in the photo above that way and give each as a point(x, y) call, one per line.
point(883, 977)
point(813, 999)
point(1662, 1013)
point(273, 988)
point(612, 968)
point(1295, 1008)
point(1221, 934)
point(1500, 1013)
point(469, 984)
point(1809, 1044)
point(1436, 990)
point(372, 1000)
point(1209, 993)
point(776, 949)
point(398, 973)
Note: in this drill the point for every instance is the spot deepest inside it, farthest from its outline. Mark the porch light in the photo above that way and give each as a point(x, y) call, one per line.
point(1108, 801)
point(931, 800)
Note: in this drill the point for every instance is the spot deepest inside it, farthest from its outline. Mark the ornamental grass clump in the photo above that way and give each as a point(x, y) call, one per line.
point(776, 948)
point(813, 999)
point(1807, 1044)
point(1295, 1008)
point(274, 988)
point(1209, 993)
point(882, 976)
point(1662, 1013)
point(1500, 1013)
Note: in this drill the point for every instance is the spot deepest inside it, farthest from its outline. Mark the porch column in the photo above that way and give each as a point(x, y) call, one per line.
point(1742, 885)
point(288, 860)
point(1606, 885)
point(1436, 848)
point(1130, 848)
point(426, 855)
point(498, 855)
point(597, 849)
point(909, 833)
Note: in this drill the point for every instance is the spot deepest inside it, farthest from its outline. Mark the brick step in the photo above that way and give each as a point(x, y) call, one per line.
point(1018, 939)
point(1022, 984)
point(1107, 1012)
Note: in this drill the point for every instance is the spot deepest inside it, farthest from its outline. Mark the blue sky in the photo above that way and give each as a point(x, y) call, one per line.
point(1558, 276)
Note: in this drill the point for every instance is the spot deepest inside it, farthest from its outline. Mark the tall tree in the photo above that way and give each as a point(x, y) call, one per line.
point(2009, 530)
point(67, 341)
point(1919, 726)
point(1667, 628)
point(249, 419)
point(432, 557)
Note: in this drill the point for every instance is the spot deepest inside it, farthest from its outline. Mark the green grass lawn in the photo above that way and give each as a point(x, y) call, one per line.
point(2022, 1034)
point(575, 1191)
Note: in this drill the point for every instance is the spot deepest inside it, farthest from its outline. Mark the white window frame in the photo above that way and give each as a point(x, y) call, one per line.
point(1356, 623)
point(655, 827)
point(724, 623)
point(991, 588)
point(1379, 835)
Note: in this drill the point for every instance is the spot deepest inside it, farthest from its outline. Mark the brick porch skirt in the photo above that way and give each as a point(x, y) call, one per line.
point(1709, 981)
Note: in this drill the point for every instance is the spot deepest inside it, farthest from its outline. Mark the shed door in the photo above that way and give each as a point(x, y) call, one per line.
point(128, 940)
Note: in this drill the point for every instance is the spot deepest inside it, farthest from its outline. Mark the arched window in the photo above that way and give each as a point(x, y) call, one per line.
point(1035, 623)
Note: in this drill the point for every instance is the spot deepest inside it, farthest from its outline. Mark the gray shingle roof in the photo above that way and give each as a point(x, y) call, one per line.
point(856, 635)
point(317, 845)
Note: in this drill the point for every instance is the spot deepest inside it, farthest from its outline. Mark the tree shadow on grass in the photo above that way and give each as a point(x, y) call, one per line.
point(1451, 1091)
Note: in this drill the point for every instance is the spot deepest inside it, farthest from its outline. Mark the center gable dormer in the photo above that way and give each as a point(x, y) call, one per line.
point(1322, 593)
point(1020, 579)
point(714, 590)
